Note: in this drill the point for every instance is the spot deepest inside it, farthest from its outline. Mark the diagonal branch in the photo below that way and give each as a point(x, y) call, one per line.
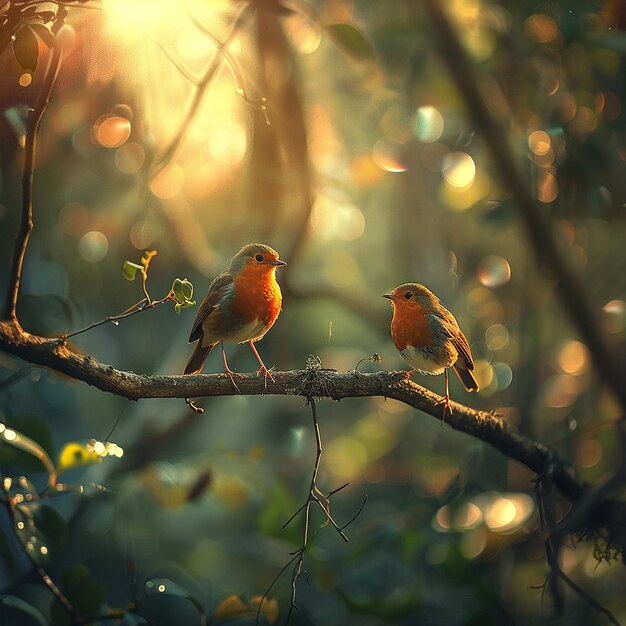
point(539, 230)
point(26, 224)
point(316, 383)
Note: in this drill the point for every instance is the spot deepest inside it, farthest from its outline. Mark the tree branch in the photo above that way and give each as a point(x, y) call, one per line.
point(539, 230)
point(26, 224)
point(309, 383)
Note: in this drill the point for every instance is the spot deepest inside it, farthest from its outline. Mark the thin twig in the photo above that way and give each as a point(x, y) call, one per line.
point(583, 594)
point(33, 120)
point(10, 506)
point(170, 152)
point(553, 544)
point(314, 495)
point(356, 514)
point(260, 103)
point(144, 305)
point(274, 581)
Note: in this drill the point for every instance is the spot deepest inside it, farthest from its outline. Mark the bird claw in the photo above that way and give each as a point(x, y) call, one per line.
point(446, 407)
point(228, 372)
point(267, 373)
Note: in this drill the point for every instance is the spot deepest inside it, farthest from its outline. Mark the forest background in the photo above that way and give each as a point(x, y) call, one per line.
point(477, 147)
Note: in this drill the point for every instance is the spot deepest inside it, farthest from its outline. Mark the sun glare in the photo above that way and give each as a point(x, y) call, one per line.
point(158, 53)
point(125, 18)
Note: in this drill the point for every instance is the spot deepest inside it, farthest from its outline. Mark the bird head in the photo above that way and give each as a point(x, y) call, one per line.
point(255, 258)
point(412, 295)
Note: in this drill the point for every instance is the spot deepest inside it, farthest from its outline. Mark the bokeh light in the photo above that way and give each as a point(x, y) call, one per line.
point(497, 337)
point(541, 28)
point(333, 216)
point(25, 79)
point(493, 271)
point(168, 183)
point(112, 131)
point(93, 246)
point(467, 517)
point(503, 374)
point(539, 142)
point(562, 390)
point(547, 187)
point(615, 316)
point(429, 124)
point(304, 33)
point(388, 157)
point(129, 158)
point(574, 358)
point(345, 457)
point(458, 169)
point(142, 234)
point(228, 143)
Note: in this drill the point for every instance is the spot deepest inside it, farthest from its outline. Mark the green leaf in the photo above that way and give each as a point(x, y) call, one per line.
point(53, 527)
point(183, 294)
point(74, 454)
point(184, 305)
point(17, 604)
point(129, 270)
point(183, 290)
point(351, 40)
point(22, 442)
point(154, 586)
point(26, 48)
point(84, 593)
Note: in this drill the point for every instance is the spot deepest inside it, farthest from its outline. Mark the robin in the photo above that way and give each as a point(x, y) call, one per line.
point(242, 304)
point(428, 337)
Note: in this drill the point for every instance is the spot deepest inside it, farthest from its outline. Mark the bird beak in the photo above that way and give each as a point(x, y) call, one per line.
point(389, 296)
point(278, 263)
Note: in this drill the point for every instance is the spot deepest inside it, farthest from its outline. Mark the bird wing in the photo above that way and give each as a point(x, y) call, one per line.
point(460, 343)
point(217, 290)
point(451, 327)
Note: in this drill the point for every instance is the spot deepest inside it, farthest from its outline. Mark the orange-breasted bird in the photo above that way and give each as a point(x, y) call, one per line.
point(242, 304)
point(428, 336)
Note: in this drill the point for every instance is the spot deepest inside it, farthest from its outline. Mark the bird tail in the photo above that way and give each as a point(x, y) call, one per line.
point(199, 356)
point(466, 377)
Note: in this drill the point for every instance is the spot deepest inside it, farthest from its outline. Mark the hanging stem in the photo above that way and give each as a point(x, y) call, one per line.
point(30, 150)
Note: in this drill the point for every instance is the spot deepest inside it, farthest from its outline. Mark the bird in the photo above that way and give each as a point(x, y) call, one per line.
point(241, 305)
point(428, 337)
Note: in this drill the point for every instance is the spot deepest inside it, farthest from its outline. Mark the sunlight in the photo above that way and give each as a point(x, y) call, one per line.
point(159, 53)
point(126, 18)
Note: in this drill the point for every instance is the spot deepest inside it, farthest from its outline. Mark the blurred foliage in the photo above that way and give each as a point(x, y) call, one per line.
point(368, 175)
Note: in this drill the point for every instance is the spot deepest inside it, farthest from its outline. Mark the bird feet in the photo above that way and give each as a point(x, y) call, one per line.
point(228, 372)
point(407, 375)
point(446, 407)
point(266, 373)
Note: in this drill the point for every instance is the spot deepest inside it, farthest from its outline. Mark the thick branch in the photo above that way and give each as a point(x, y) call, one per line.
point(539, 230)
point(309, 383)
point(26, 224)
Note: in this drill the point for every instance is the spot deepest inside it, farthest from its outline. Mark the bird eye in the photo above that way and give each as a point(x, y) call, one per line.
point(259, 258)
point(408, 295)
